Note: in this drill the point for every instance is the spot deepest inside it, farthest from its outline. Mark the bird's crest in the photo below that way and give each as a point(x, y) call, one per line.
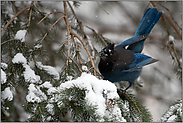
point(108, 50)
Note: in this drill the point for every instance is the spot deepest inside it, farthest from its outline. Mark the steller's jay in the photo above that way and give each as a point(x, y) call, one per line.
point(124, 61)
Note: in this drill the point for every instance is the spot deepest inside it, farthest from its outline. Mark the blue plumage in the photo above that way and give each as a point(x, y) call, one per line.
point(118, 63)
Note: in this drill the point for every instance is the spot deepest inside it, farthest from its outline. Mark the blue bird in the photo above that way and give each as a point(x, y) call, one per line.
point(124, 61)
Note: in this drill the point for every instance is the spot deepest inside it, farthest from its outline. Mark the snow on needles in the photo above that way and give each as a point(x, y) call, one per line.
point(3, 77)
point(7, 94)
point(95, 89)
point(29, 74)
point(19, 59)
point(50, 70)
point(20, 35)
point(35, 94)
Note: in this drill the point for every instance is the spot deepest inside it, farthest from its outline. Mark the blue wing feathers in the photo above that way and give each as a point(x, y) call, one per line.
point(141, 60)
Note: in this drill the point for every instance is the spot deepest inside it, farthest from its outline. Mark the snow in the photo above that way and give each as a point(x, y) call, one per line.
point(172, 118)
point(19, 58)
point(95, 89)
point(50, 70)
point(169, 115)
point(51, 90)
point(7, 94)
point(84, 68)
point(46, 85)
point(3, 77)
point(171, 38)
point(49, 108)
point(29, 74)
point(69, 78)
point(37, 46)
point(35, 94)
point(4, 66)
point(20, 35)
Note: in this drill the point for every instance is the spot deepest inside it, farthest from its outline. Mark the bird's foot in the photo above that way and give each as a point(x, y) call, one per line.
point(121, 93)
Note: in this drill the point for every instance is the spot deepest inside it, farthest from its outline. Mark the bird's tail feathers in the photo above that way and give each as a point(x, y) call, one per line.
point(150, 18)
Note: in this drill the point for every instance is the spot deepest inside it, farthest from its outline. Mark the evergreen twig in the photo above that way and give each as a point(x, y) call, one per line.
point(48, 15)
point(32, 3)
point(68, 34)
point(168, 19)
point(14, 18)
point(86, 50)
point(134, 105)
point(96, 34)
point(77, 51)
point(50, 29)
point(102, 7)
point(76, 64)
point(8, 41)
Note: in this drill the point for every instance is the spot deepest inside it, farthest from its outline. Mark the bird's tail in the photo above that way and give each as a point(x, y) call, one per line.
point(150, 18)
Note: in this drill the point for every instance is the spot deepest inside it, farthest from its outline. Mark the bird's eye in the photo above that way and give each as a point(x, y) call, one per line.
point(105, 51)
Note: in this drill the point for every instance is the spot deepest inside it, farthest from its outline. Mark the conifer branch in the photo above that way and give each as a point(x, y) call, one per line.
point(86, 50)
point(46, 34)
point(173, 25)
point(8, 41)
point(77, 51)
point(135, 105)
point(32, 3)
point(14, 18)
point(96, 34)
point(169, 20)
point(68, 34)
point(72, 11)
point(63, 48)
point(80, 25)
point(50, 29)
point(170, 15)
point(170, 48)
point(76, 64)
point(102, 7)
point(48, 15)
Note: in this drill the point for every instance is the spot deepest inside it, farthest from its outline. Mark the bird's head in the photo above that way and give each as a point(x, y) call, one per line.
point(107, 51)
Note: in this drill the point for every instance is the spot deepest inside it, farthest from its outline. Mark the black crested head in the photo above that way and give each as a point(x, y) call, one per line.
point(108, 50)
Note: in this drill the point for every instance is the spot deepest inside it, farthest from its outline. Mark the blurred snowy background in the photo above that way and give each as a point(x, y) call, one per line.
point(118, 21)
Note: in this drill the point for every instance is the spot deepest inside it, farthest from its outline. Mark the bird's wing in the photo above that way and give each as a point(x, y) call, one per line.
point(132, 40)
point(140, 61)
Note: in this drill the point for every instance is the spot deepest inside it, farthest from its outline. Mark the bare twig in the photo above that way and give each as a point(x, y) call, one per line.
point(77, 51)
point(68, 35)
point(172, 48)
point(50, 29)
point(86, 50)
point(96, 33)
point(46, 34)
point(170, 15)
point(48, 15)
point(76, 64)
point(173, 25)
point(135, 105)
point(72, 10)
point(13, 19)
point(32, 3)
point(81, 26)
point(102, 7)
point(8, 41)
point(169, 20)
